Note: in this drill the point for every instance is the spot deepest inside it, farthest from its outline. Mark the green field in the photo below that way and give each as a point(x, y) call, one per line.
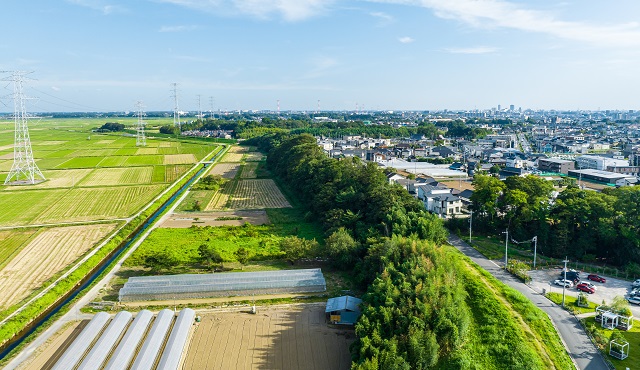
point(91, 175)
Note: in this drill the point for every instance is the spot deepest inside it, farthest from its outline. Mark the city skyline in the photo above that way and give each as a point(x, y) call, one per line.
point(95, 55)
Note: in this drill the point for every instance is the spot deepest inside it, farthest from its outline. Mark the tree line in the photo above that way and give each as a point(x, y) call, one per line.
point(581, 224)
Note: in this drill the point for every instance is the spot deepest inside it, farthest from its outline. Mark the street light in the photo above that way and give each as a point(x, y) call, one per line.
point(564, 282)
point(506, 245)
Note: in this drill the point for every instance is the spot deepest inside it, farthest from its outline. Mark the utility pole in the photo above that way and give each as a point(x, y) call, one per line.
point(535, 250)
point(470, 225)
point(506, 245)
point(564, 282)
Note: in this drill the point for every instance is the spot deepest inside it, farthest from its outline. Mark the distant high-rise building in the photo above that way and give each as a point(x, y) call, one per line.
point(512, 107)
point(499, 107)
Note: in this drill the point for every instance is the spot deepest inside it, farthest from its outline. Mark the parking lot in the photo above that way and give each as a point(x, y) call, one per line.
point(543, 279)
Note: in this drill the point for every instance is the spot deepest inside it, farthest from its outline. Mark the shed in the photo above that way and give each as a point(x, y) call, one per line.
point(343, 310)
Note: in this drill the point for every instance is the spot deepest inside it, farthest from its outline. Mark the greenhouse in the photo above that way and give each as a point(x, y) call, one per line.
point(189, 286)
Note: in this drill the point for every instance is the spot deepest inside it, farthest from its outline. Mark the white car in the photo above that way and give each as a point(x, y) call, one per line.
point(634, 300)
point(565, 283)
point(636, 283)
point(590, 285)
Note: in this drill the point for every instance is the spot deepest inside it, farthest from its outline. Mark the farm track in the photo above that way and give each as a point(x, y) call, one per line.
point(49, 252)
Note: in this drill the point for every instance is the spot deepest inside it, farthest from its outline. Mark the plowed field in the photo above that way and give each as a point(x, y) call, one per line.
point(275, 338)
point(48, 252)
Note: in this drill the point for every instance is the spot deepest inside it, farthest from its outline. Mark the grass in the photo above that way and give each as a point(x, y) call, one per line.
point(262, 241)
point(632, 336)
point(534, 324)
point(571, 303)
point(12, 242)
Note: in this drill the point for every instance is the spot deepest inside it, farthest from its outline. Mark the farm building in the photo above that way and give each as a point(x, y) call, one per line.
point(343, 310)
point(191, 286)
point(120, 343)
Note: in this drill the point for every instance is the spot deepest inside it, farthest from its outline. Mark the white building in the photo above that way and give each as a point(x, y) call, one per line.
point(595, 162)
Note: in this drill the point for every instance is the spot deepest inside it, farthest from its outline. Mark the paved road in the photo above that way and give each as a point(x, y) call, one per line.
point(584, 354)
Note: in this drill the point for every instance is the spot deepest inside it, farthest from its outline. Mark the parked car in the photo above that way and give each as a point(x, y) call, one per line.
point(634, 300)
point(565, 283)
point(636, 283)
point(597, 278)
point(586, 287)
point(571, 275)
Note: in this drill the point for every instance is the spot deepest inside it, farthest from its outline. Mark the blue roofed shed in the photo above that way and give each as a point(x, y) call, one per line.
point(343, 310)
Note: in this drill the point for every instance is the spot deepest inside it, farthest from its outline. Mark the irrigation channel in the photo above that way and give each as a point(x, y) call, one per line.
point(40, 320)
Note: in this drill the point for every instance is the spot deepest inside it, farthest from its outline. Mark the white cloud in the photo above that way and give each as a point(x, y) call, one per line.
point(100, 6)
point(177, 28)
point(384, 19)
point(290, 10)
point(55, 88)
point(472, 50)
point(406, 40)
point(506, 14)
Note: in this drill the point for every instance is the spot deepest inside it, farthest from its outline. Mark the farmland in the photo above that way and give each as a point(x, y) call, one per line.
point(294, 337)
point(99, 179)
point(48, 252)
point(90, 176)
point(258, 193)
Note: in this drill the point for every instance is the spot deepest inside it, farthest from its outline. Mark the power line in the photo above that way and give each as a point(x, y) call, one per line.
point(67, 101)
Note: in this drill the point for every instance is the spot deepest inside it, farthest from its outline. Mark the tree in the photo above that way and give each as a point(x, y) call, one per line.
point(242, 255)
point(197, 207)
point(209, 255)
point(169, 130)
point(163, 259)
point(342, 248)
point(295, 248)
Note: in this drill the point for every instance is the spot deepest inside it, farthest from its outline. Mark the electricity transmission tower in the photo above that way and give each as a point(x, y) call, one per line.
point(141, 139)
point(24, 169)
point(176, 110)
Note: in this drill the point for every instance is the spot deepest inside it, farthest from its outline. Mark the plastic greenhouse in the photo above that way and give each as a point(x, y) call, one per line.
point(188, 286)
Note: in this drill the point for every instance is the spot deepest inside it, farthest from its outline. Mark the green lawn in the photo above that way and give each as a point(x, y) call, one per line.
point(570, 303)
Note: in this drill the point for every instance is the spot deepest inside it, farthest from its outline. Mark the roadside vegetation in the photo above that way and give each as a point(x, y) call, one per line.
point(591, 227)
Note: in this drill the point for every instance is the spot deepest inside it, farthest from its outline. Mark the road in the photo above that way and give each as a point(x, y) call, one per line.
point(584, 354)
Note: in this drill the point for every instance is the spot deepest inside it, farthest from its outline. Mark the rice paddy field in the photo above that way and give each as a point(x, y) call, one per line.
point(94, 180)
point(90, 176)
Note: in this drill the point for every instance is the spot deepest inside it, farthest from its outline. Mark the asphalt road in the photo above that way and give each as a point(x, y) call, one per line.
point(584, 354)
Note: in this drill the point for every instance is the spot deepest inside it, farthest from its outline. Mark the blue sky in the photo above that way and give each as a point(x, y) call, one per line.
point(380, 54)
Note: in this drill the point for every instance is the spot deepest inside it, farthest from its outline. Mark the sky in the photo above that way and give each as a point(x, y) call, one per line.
point(104, 55)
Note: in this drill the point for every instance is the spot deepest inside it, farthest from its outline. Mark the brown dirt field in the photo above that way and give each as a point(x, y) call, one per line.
point(48, 252)
point(47, 355)
point(275, 338)
point(226, 170)
point(179, 159)
point(184, 220)
point(232, 157)
point(461, 185)
point(58, 179)
point(7, 156)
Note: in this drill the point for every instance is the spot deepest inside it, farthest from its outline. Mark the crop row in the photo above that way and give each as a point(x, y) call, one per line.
point(260, 193)
point(249, 170)
point(180, 158)
point(49, 252)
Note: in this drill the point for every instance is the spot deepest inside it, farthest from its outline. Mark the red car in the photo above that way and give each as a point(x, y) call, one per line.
point(585, 288)
point(597, 278)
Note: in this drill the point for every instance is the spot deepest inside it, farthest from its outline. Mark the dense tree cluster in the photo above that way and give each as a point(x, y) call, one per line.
point(111, 127)
point(349, 193)
point(581, 224)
